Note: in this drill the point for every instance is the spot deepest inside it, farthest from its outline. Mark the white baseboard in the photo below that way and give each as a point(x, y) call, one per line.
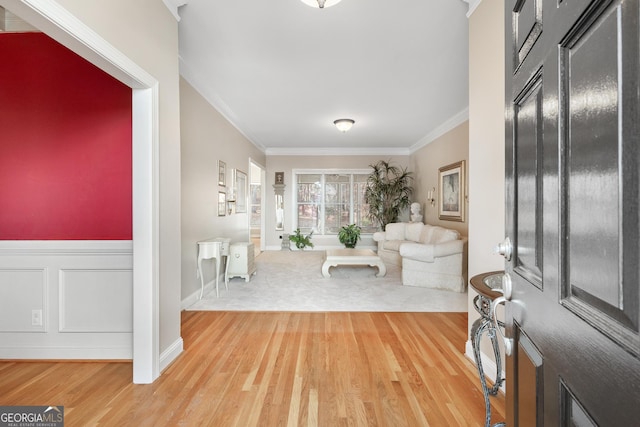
point(488, 364)
point(195, 296)
point(79, 352)
point(171, 353)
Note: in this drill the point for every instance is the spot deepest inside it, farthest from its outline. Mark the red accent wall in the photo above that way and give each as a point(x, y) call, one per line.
point(65, 145)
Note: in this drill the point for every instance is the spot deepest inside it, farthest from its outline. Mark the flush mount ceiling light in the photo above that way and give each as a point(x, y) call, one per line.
point(343, 125)
point(321, 4)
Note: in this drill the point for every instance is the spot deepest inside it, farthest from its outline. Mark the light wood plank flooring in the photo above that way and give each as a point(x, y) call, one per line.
point(277, 369)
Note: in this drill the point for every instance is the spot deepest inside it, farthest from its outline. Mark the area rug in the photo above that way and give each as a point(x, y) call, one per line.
point(292, 281)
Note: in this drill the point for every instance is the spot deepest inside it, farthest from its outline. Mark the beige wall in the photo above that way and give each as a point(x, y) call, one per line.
point(287, 164)
point(449, 148)
point(206, 138)
point(147, 33)
point(486, 140)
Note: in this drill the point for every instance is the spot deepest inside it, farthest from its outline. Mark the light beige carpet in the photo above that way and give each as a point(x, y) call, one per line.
point(292, 281)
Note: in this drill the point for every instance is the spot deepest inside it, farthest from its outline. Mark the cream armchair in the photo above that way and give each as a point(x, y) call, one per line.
point(430, 256)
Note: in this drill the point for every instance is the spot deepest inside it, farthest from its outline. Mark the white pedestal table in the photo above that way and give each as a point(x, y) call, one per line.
point(336, 257)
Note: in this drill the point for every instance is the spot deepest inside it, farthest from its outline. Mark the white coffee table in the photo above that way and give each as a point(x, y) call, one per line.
point(336, 257)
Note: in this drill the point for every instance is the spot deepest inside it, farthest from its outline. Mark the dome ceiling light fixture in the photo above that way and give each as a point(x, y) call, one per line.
point(320, 4)
point(343, 125)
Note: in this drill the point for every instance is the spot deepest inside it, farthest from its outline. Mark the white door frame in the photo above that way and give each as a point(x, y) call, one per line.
point(59, 24)
point(263, 177)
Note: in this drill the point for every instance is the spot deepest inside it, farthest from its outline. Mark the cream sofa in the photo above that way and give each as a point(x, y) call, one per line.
point(430, 256)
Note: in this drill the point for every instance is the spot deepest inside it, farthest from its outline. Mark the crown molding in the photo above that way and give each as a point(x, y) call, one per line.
point(445, 127)
point(473, 4)
point(216, 102)
point(173, 6)
point(336, 151)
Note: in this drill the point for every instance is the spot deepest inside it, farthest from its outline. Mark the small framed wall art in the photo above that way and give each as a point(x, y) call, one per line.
point(279, 178)
point(222, 173)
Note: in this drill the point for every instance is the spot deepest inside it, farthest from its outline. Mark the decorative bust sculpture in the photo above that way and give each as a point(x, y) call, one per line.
point(416, 216)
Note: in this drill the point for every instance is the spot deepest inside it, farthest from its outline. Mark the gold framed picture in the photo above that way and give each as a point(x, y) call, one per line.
point(451, 191)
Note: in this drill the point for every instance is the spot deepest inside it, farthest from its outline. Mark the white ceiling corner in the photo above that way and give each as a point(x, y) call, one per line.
point(9, 22)
point(173, 6)
point(473, 4)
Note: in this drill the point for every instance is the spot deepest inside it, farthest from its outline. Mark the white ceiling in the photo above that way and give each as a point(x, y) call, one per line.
point(282, 71)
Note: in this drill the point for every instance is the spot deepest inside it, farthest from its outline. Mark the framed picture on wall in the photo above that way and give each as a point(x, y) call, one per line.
point(279, 178)
point(241, 191)
point(222, 173)
point(451, 191)
point(222, 203)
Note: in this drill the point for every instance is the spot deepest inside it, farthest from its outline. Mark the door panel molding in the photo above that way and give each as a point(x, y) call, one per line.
point(600, 171)
point(527, 27)
point(527, 146)
point(530, 389)
point(572, 412)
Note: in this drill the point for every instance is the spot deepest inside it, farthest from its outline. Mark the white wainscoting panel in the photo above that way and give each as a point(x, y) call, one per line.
point(85, 292)
point(21, 292)
point(94, 300)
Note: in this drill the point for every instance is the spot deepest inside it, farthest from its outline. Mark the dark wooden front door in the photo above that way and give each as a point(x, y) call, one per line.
point(572, 155)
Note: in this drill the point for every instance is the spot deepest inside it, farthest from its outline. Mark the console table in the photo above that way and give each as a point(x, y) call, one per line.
point(209, 249)
point(489, 287)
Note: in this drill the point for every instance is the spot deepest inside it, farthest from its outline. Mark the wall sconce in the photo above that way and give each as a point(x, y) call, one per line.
point(431, 194)
point(231, 199)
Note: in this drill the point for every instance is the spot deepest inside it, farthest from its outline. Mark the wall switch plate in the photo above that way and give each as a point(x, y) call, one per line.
point(36, 317)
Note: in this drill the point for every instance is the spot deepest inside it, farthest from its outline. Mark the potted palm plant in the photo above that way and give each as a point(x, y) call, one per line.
point(349, 235)
point(388, 192)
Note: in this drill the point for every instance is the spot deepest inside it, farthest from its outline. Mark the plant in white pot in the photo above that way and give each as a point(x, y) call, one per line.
point(349, 235)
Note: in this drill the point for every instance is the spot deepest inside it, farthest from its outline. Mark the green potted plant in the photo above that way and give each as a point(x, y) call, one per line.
point(349, 235)
point(388, 192)
point(301, 240)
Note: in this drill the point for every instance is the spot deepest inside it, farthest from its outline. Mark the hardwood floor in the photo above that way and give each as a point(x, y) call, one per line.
point(277, 369)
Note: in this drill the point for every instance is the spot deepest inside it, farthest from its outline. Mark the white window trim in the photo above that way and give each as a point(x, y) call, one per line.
point(323, 172)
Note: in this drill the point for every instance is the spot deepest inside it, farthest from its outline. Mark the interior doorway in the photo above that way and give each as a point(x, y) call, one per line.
point(53, 20)
point(257, 176)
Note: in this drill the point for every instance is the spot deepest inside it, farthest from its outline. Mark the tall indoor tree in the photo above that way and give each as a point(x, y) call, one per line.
point(388, 192)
